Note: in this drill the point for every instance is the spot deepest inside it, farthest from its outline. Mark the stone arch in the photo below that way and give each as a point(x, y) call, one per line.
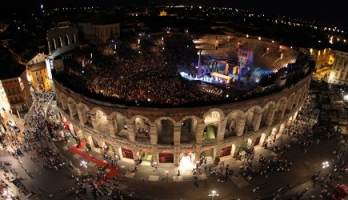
point(213, 116)
point(141, 128)
point(55, 45)
point(210, 133)
point(212, 121)
point(84, 114)
point(299, 98)
point(119, 124)
point(253, 118)
point(235, 124)
point(280, 111)
point(74, 39)
point(51, 45)
point(165, 130)
point(303, 96)
point(290, 103)
point(61, 42)
point(64, 102)
point(99, 119)
point(72, 108)
point(67, 40)
point(59, 100)
point(188, 129)
point(268, 114)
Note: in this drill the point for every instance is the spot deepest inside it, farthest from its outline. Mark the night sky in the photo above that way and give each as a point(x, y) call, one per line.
point(332, 11)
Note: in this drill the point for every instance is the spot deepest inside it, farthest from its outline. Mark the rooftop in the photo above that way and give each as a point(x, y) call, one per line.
point(9, 67)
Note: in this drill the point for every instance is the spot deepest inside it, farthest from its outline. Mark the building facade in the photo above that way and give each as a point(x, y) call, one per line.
point(99, 32)
point(62, 38)
point(324, 59)
point(38, 73)
point(17, 92)
point(168, 135)
point(339, 71)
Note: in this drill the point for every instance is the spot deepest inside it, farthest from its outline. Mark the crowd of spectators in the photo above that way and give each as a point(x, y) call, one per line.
point(146, 79)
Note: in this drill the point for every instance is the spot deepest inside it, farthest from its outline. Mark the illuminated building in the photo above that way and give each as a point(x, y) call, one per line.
point(180, 135)
point(163, 13)
point(168, 135)
point(38, 74)
point(14, 88)
point(62, 38)
point(339, 72)
point(100, 31)
point(324, 58)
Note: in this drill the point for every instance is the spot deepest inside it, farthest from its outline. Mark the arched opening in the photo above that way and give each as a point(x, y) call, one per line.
point(64, 103)
point(188, 127)
point(267, 115)
point(119, 123)
point(72, 109)
point(235, 124)
point(290, 104)
point(67, 40)
point(278, 115)
point(101, 121)
point(210, 133)
point(53, 46)
point(165, 132)
point(59, 43)
point(142, 130)
point(230, 127)
point(74, 38)
point(211, 121)
point(253, 119)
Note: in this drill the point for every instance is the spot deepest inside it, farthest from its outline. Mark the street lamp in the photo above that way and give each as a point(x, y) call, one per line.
point(213, 194)
point(325, 164)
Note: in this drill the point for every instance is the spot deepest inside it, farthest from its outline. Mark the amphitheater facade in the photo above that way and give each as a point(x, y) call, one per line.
point(165, 135)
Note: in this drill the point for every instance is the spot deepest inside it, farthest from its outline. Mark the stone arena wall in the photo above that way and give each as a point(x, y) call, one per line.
point(214, 131)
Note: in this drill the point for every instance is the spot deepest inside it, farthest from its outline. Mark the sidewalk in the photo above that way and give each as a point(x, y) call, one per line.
point(144, 172)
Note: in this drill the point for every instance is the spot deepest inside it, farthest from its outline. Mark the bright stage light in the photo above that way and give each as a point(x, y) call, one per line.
point(186, 164)
point(345, 97)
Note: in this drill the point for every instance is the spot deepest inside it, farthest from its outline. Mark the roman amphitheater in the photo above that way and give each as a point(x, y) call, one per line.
point(174, 132)
point(167, 135)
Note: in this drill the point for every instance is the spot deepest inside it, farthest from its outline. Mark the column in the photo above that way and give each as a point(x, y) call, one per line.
point(270, 117)
point(69, 40)
point(197, 152)
point(49, 46)
point(131, 132)
point(176, 156)
point(240, 124)
point(112, 128)
point(199, 133)
point(153, 135)
point(155, 155)
point(177, 134)
point(221, 130)
point(233, 150)
point(61, 42)
point(75, 40)
point(282, 113)
point(71, 110)
point(257, 120)
point(55, 44)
